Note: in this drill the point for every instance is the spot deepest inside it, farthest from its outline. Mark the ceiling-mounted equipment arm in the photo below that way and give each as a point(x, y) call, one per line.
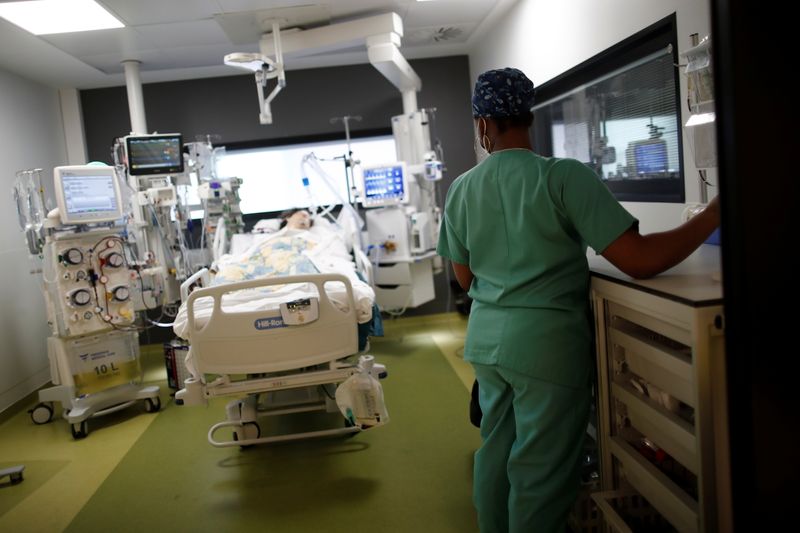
point(380, 33)
point(265, 69)
point(384, 54)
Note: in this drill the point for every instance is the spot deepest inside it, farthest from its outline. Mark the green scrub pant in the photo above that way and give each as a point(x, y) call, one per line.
point(527, 469)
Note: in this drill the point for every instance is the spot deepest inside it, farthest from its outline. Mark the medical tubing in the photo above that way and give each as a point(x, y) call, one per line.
point(135, 259)
point(141, 280)
point(164, 244)
point(143, 244)
point(307, 186)
point(325, 390)
point(327, 211)
point(402, 311)
point(312, 160)
point(376, 262)
point(318, 169)
point(160, 324)
point(206, 219)
point(97, 281)
point(312, 204)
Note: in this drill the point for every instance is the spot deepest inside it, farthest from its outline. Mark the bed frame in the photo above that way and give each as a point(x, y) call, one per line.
point(258, 355)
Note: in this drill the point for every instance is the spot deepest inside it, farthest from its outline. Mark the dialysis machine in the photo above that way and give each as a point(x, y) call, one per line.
point(403, 216)
point(89, 281)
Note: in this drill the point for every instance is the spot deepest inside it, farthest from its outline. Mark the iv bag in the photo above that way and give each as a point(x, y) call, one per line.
point(28, 199)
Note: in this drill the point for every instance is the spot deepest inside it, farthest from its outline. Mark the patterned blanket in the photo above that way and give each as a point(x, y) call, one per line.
point(280, 256)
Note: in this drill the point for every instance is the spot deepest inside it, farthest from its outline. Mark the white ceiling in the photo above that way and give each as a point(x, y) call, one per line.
point(185, 39)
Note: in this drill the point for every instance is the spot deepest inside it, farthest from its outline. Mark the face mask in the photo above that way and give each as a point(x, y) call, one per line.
point(480, 151)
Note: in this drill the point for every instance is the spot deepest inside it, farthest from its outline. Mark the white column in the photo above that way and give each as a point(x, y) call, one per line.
point(135, 100)
point(73, 126)
point(409, 101)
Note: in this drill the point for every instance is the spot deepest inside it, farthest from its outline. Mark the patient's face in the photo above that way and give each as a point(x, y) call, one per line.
point(299, 220)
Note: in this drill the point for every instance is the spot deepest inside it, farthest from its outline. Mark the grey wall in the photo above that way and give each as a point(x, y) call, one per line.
point(31, 136)
point(228, 107)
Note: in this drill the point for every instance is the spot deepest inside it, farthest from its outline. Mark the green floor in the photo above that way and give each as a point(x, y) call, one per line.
point(139, 472)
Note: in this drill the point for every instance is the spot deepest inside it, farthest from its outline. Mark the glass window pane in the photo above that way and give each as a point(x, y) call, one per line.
point(624, 125)
point(272, 177)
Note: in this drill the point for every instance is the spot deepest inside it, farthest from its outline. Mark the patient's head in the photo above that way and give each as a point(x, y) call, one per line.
point(296, 219)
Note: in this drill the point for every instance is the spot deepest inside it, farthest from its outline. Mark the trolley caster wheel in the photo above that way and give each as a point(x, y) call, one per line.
point(79, 431)
point(248, 430)
point(152, 405)
point(42, 413)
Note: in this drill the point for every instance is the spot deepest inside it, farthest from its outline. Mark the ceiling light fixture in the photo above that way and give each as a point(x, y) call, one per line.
point(43, 17)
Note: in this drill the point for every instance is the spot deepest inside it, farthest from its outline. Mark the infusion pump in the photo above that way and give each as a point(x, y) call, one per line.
point(89, 283)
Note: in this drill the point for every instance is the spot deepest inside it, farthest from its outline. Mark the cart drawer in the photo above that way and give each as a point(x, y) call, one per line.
point(667, 329)
point(627, 512)
point(667, 368)
point(669, 431)
point(393, 274)
point(673, 503)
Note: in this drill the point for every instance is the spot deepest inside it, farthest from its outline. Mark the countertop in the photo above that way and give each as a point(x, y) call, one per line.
point(695, 281)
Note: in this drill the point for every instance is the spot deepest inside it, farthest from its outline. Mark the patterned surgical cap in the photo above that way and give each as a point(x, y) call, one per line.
point(502, 93)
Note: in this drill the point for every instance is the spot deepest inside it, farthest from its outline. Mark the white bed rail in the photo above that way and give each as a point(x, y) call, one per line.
point(363, 265)
point(202, 275)
point(259, 341)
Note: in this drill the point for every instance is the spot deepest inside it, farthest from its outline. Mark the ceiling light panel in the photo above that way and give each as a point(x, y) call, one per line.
point(138, 12)
point(46, 17)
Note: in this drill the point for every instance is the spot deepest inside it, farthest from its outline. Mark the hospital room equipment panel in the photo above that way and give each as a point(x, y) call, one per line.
point(90, 283)
point(661, 397)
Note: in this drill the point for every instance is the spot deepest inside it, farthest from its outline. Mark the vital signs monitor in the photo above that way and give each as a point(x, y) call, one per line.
point(150, 155)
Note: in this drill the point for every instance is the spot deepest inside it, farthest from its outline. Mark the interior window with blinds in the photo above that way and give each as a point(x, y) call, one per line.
point(624, 124)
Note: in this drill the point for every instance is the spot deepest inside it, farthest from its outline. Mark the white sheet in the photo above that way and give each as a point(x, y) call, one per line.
point(324, 248)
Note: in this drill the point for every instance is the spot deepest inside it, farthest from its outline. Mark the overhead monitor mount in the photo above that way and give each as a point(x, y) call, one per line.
point(381, 34)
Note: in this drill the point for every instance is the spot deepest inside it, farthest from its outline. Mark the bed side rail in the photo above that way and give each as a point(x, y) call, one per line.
point(363, 265)
point(203, 276)
point(258, 341)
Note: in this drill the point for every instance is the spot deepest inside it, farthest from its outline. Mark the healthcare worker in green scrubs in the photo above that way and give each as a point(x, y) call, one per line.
point(516, 228)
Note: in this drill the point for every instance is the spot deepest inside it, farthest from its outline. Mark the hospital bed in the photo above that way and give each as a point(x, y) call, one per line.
point(278, 343)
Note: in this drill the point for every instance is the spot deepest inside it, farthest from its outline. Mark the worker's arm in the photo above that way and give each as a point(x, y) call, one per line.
point(644, 256)
point(463, 274)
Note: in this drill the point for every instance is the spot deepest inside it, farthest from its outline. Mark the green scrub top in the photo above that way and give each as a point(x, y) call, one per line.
point(521, 222)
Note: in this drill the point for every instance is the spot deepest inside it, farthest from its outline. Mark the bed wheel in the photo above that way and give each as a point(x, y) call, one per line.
point(152, 405)
point(42, 413)
point(80, 430)
point(249, 430)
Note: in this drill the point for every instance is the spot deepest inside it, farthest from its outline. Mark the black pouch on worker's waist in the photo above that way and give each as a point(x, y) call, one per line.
point(475, 413)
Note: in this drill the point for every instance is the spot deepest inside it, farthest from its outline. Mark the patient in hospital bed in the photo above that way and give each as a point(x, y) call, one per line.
point(303, 245)
point(296, 219)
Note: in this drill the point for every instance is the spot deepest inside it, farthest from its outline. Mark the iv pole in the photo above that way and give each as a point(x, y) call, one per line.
point(349, 163)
